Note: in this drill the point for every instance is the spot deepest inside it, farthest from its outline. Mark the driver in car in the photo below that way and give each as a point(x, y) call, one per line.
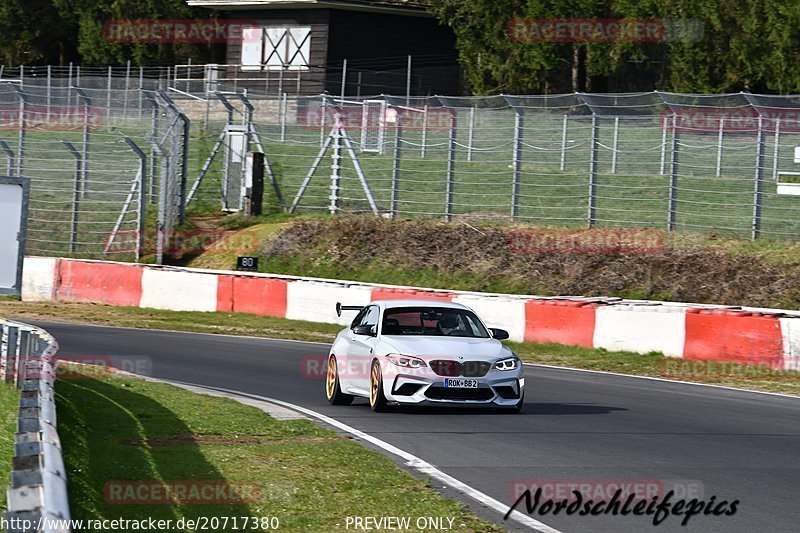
point(447, 324)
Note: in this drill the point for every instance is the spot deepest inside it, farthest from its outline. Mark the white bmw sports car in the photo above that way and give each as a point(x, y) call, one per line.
point(419, 352)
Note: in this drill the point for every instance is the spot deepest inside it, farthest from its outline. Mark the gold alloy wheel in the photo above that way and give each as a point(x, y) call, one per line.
point(374, 383)
point(330, 378)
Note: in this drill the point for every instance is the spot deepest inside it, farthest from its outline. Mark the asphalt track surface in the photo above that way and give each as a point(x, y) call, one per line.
point(576, 427)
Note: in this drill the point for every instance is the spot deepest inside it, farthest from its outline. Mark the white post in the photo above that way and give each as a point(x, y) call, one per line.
point(564, 144)
point(322, 118)
point(614, 147)
point(69, 85)
point(284, 105)
point(719, 145)
point(127, 85)
point(424, 129)
point(141, 87)
point(777, 146)
point(344, 81)
point(48, 93)
point(408, 83)
point(663, 143)
point(471, 132)
point(108, 97)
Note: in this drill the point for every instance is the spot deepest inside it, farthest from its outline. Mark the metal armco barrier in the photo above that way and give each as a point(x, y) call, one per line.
point(38, 490)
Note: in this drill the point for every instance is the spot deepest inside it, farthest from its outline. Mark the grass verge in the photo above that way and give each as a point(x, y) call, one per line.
point(653, 364)
point(9, 409)
point(117, 429)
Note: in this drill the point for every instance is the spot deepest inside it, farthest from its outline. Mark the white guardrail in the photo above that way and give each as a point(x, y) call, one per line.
point(38, 491)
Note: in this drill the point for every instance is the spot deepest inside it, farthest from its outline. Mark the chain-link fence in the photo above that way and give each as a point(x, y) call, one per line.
point(112, 167)
point(105, 182)
point(712, 163)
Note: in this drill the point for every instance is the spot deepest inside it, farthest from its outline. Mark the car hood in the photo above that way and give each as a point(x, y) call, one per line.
point(446, 347)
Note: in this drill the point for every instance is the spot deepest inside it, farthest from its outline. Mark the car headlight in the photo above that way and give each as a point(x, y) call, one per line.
point(512, 363)
point(406, 361)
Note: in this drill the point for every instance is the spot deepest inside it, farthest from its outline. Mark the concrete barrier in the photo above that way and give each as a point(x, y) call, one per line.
point(743, 335)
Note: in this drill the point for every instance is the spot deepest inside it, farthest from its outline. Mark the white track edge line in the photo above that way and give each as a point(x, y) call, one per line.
point(411, 460)
point(653, 378)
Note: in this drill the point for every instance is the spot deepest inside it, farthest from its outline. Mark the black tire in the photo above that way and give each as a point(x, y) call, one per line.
point(377, 400)
point(332, 389)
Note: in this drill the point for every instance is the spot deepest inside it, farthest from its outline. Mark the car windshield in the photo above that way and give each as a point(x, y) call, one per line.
point(434, 321)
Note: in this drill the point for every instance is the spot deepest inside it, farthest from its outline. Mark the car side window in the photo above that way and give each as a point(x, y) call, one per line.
point(357, 321)
point(371, 318)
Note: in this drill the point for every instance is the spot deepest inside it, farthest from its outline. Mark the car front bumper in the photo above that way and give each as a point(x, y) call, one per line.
point(423, 387)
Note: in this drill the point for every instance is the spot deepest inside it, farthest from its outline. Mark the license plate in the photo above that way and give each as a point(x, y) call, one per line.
point(461, 383)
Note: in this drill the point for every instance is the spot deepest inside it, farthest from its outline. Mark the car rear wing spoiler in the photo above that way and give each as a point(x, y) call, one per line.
point(340, 308)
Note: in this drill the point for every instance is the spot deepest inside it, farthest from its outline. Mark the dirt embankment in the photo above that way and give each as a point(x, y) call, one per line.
point(633, 264)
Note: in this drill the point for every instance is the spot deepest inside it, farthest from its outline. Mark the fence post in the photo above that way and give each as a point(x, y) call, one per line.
point(185, 163)
point(758, 191)
point(408, 82)
point(125, 90)
point(9, 156)
point(519, 126)
point(719, 145)
point(284, 103)
point(344, 83)
point(471, 132)
point(396, 168)
point(451, 169)
point(614, 146)
point(69, 85)
point(592, 211)
point(564, 144)
point(86, 140)
point(322, 121)
point(663, 144)
point(76, 196)
point(673, 177)
point(336, 159)
point(49, 80)
point(108, 96)
point(775, 150)
point(424, 130)
point(141, 88)
point(21, 135)
point(154, 153)
point(140, 219)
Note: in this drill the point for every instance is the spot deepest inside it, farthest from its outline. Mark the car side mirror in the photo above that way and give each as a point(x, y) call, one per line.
point(364, 330)
point(499, 334)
